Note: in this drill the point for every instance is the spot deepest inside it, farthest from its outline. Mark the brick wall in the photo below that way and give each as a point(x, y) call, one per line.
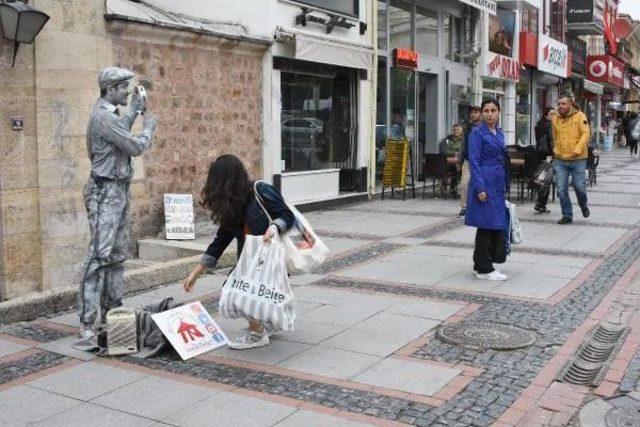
point(207, 96)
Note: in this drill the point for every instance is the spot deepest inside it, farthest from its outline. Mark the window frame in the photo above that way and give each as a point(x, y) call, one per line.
point(312, 4)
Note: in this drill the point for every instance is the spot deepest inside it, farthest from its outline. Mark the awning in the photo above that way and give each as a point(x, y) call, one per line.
point(592, 87)
point(328, 52)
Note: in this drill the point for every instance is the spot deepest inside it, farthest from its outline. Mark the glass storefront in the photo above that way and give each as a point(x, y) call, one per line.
point(494, 89)
point(523, 109)
point(400, 18)
point(317, 120)
point(382, 25)
point(426, 32)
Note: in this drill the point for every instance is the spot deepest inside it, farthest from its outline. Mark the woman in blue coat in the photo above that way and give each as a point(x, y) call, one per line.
point(486, 197)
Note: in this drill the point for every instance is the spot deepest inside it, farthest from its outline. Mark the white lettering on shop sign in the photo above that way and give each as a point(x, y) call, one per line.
point(486, 5)
point(552, 56)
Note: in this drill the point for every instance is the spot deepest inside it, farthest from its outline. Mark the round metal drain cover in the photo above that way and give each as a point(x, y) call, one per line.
point(484, 335)
point(622, 417)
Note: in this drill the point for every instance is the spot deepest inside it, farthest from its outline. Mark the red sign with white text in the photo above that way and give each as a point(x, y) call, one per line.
point(605, 69)
point(405, 58)
point(502, 67)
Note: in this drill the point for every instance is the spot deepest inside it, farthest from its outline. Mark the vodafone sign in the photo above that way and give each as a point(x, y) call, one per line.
point(552, 56)
point(605, 69)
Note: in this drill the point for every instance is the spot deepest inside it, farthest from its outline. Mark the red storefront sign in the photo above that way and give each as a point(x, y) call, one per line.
point(405, 58)
point(529, 49)
point(605, 69)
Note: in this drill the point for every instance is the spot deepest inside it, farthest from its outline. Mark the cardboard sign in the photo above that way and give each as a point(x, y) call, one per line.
point(190, 330)
point(395, 163)
point(178, 216)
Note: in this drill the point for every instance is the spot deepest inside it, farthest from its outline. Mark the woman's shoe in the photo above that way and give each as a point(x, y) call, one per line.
point(494, 276)
point(249, 339)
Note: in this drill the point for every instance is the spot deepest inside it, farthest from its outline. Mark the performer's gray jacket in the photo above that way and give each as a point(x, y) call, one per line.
point(111, 145)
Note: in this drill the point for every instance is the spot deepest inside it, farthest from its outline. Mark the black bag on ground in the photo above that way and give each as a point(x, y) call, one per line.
point(151, 340)
point(542, 176)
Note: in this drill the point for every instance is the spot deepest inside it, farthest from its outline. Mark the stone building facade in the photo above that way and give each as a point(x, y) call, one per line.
point(205, 90)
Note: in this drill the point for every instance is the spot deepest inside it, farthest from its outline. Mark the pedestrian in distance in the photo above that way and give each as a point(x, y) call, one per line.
point(629, 123)
point(110, 146)
point(544, 151)
point(486, 209)
point(450, 147)
point(475, 117)
point(229, 195)
point(571, 135)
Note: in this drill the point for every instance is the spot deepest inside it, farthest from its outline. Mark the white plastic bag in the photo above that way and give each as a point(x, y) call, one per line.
point(304, 251)
point(516, 229)
point(258, 287)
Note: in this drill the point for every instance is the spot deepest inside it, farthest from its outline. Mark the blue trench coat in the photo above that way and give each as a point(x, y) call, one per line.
point(487, 154)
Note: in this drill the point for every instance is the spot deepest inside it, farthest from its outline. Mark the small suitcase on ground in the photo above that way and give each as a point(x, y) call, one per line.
point(122, 335)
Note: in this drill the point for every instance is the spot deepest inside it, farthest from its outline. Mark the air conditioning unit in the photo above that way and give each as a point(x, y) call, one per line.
point(122, 335)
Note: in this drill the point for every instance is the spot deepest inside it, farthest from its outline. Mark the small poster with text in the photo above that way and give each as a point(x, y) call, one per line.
point(190, 330)
point(178, 216)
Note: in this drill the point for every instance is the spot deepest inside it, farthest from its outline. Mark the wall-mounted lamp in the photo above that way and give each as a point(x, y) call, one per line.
point(20, 23)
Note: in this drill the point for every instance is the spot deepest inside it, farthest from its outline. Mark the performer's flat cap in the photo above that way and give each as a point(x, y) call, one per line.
point(113, 75)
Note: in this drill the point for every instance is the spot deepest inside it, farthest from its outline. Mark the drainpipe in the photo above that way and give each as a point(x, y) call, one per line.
point(373, 10)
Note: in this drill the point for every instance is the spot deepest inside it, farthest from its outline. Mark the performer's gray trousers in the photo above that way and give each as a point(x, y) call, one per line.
point(107, 204)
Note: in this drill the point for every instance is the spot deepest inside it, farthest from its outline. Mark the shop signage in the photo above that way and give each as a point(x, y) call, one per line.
point(605, 69)
point(592, 87)
point(488, 6)
point(502, 67)
point(580, 11)
point(578, 49)
point(552, 56)
point(405, 58)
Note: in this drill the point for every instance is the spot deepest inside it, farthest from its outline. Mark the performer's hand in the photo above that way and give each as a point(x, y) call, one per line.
point(483, 197)
point(137, 103)
point(150, 122)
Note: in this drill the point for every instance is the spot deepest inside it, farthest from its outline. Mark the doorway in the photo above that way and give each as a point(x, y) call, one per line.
point(427, 119)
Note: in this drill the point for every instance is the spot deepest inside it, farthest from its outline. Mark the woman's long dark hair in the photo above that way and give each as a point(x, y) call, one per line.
point(227, 190)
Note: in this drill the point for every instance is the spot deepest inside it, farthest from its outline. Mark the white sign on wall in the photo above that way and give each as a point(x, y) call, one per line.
point(553, 56)
point(178, 216)
point(190, 329)
point(485, 5)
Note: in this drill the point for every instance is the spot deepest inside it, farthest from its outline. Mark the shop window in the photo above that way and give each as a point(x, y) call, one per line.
point(427, 32)
point(523, 110)
point(382, 24)
point(400, 29)
point(529, 21)
point(381, 115)
point(317, 120)
point(557, 29)
point(347, 7)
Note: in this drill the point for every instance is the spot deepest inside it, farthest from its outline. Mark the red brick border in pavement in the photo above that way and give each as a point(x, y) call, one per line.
point(549, 403)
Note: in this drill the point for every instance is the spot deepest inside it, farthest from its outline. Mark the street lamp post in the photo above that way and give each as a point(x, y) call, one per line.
point(20, 23)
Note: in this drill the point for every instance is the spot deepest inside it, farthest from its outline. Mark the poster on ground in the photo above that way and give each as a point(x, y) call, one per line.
point(178, 217)
point(190, 330)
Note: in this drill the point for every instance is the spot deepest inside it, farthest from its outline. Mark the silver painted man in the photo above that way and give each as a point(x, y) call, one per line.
point(110, 146)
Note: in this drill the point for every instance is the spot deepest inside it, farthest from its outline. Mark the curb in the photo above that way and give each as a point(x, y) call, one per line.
point(41, 304)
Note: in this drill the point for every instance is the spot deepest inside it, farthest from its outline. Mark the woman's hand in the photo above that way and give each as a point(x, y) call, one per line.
point(271, 231)
point(483, 197)
point(191, 279)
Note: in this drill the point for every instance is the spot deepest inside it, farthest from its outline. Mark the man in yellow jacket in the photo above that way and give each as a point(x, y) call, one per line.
point(571, 135)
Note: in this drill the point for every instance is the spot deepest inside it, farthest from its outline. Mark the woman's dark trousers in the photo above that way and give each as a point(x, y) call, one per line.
point(489, 249)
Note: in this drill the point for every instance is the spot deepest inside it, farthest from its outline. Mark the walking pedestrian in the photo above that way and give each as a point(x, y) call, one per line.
point(486, 208)
point(229, 195)
point(110, 146)
point(475, 117)
point(544, 150)
point(571, 136)
point(628, 125)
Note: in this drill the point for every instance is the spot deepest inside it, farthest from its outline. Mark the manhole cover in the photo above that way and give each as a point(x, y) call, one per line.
point(621, 417)
point(486, 335)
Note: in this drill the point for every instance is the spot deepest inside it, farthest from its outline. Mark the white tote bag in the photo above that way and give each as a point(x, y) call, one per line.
point(516, 230)
point(304, 251)
point(258, 287)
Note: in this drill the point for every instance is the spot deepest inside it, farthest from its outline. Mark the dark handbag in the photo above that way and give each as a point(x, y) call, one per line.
point(542, 176)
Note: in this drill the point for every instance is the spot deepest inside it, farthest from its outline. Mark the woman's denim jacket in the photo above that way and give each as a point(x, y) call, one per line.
point(255, 220)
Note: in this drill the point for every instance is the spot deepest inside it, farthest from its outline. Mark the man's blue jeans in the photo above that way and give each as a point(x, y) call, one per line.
point(577, 169)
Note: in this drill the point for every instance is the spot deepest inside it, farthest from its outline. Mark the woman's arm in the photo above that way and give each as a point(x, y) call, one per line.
point(211, 256)
point(475, 149)
point(281, 215)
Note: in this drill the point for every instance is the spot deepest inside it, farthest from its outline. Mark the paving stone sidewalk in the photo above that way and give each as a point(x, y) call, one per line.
point(365, 350)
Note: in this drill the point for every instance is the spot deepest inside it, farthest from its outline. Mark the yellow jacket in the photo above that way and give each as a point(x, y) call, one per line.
point(571, 135)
